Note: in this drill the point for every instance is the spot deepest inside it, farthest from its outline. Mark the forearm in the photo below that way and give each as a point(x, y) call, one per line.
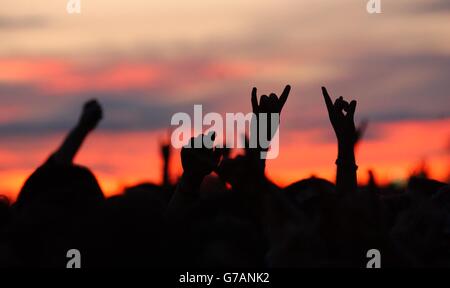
point(166, 181)
point(346, 179)
point(72, 143)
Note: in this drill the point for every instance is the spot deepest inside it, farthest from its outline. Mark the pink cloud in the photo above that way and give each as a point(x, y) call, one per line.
point(57, 76)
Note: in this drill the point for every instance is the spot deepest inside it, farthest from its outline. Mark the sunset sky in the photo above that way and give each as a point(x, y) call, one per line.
point(145, 60)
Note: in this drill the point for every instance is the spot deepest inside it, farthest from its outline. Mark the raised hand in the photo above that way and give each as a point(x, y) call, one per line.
point(269, 105)
point(199, 162)
point(342, 115)
point(165, 151)
point(165, 154)
point(91, 115)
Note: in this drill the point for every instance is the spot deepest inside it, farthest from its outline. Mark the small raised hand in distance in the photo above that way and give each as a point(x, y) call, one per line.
point(269, 105)
point(341, 115)
point(165, 154)
point(165, 151)
point(90, 117)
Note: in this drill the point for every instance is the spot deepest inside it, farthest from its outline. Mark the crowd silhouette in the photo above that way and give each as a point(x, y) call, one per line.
point(225, 212)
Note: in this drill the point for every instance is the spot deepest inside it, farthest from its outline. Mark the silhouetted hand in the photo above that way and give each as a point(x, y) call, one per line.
point(165, 154)
point(91, 115)
point(341, 115)
point(269, 105)
point(199, 162)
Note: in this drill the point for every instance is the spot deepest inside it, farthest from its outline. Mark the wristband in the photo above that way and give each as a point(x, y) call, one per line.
point(350, 165)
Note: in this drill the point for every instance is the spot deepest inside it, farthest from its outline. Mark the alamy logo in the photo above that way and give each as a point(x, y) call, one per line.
point(375, 258)
point(73, 7)
point(74, 257)
point(257, 126)
point(373, 6)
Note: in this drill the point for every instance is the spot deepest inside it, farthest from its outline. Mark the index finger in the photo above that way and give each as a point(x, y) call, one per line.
point(327, 99)
point(254, 100)
point(284, 96)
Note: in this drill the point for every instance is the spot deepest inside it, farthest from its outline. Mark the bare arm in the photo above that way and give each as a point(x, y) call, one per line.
point(165, 153)
point(341, 115)
point(270, 106)
point(90, 117)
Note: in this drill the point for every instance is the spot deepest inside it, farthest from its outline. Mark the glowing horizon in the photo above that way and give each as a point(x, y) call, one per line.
point(145, 60)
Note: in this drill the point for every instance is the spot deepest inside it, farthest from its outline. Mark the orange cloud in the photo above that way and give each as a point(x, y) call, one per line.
point(61, 76)
point(123, 159)
point(393, 156)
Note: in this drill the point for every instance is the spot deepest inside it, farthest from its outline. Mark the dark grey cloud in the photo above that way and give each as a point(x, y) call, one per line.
point(388, 86)
point(9, 92)
point(24, 22)
point(430, 6)
point(123, 111)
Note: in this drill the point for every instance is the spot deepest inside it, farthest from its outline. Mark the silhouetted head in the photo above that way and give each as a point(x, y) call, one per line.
point(68, 186)
point(56, 210)
point(420, 187)
point(309, 190)
point(316, 198)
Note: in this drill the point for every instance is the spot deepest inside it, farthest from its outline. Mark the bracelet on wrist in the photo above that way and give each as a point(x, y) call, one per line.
point(342, 163)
